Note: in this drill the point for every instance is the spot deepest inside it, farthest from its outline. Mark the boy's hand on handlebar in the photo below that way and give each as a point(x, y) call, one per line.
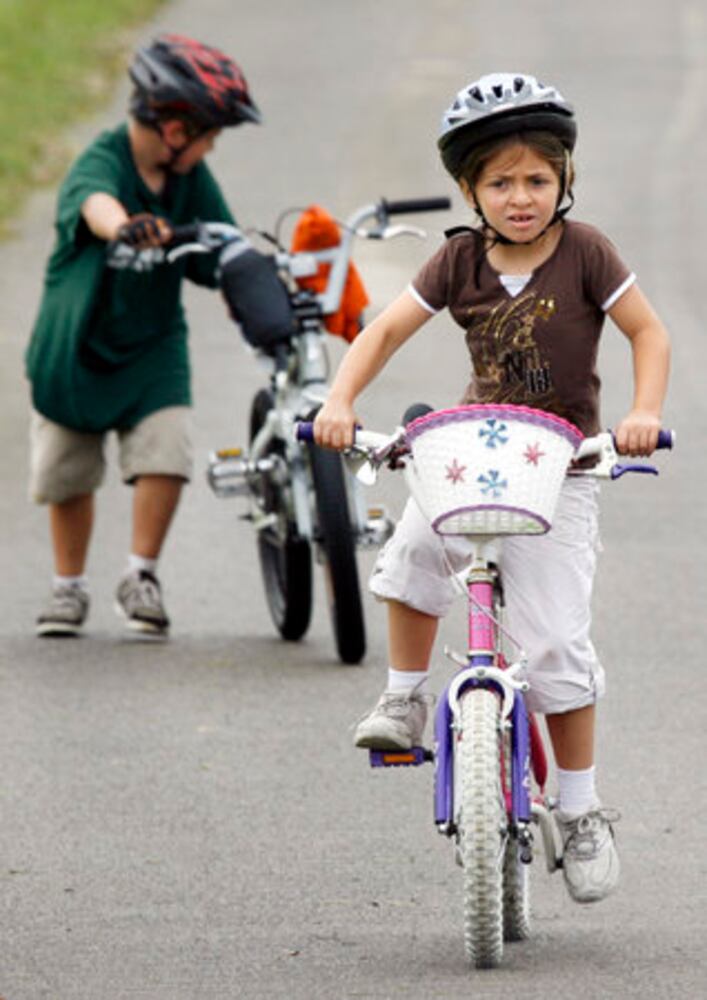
point(334, 425)
point(145, 230)
point(637, 434)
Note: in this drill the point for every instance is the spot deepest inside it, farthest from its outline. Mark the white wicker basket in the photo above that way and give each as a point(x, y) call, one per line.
point(490, 470)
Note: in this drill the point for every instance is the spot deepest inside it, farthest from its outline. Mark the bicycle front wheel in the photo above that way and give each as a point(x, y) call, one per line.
point(516, 894)
point(481, 825)
point(285, 557)
point(335, 536)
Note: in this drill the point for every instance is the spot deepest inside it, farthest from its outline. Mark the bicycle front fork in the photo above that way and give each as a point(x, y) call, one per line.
point(515, 716)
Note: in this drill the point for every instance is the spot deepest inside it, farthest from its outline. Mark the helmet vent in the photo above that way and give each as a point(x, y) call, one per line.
point(500, 104)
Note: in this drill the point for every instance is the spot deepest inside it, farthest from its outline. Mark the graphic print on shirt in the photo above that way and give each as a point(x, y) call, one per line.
point(509, 365)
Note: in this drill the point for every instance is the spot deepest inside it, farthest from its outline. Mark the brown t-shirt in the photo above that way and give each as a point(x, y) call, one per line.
point(538, 348)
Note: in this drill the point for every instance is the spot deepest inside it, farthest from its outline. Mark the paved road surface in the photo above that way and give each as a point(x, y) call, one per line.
point(190, 820)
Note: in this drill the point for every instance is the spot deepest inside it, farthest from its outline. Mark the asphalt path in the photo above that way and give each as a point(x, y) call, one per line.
point(190, 819)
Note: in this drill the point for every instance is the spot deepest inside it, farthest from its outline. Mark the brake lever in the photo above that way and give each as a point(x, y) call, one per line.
point(185, 248)
point(365, 460)
point(618, 470)
point(360, 464)
point(387, 232)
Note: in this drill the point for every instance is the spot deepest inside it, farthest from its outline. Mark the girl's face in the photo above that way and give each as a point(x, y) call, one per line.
point(517, 193)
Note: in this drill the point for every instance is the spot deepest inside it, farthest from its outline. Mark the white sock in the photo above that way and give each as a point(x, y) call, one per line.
point(137, 563)
point(577, 791)
point(81, 582)
point(405, 680)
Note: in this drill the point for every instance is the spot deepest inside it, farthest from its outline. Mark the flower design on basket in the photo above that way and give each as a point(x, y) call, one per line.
point(532, 454)
point(455, 472)
point(494, 431)
point(491, 484)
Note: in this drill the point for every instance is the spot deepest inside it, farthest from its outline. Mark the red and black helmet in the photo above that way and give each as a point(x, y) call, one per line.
point(175, 74)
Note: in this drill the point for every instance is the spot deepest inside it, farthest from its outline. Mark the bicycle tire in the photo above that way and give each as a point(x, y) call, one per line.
point(480, 825)
point(285, 558)
point(335, 537)
point(516, 883)
point(516, 894)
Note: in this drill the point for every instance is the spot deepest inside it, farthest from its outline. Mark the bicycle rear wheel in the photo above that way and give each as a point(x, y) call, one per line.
point(338, 548)
point(481, 823)
point(285, 558)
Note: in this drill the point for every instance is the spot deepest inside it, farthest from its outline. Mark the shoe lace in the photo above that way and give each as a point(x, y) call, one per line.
point(584, 832)
point(397, 703)
point(68, 598)
point(146, 591)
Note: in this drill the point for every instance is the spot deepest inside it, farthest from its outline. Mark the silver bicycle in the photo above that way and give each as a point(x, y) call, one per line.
point(300, 499)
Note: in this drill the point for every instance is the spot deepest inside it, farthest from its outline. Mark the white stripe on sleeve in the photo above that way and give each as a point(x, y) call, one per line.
point(420, 301)
point(615, 296)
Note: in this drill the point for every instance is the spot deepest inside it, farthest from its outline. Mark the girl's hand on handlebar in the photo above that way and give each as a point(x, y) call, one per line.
point(637, 434)
point(334, 425)
point(144, 230)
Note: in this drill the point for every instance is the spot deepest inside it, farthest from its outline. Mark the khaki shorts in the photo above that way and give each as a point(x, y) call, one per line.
point(65, 463)
point(547, 584)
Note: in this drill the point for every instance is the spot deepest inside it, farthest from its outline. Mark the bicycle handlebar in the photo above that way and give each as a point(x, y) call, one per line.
point(666, 439)
point(380, 447)
point(590, 446)
point(412, 205)
point(209, 237)
point(188, 233)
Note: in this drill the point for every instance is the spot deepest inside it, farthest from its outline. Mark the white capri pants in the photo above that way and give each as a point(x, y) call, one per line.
point(547, 584)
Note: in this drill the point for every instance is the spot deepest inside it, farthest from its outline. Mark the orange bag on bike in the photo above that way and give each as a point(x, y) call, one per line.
point(317, 230)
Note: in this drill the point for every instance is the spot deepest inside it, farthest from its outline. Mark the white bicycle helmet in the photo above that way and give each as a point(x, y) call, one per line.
point(500, 104)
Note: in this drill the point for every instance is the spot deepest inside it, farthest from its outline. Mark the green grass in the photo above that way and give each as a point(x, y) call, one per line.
point(59, 60)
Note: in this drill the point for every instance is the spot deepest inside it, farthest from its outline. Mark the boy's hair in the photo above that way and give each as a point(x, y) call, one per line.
point(544, 144)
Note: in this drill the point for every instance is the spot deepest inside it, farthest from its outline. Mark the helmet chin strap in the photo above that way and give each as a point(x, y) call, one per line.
point(176, 153)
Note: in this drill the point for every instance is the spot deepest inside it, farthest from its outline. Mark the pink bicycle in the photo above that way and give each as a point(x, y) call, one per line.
point(487, 472)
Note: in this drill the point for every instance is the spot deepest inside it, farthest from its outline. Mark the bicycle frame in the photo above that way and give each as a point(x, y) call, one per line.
point(485, 667)
point(297, 390)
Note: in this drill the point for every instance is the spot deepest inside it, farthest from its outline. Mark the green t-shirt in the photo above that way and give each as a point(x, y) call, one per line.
point(109, 346)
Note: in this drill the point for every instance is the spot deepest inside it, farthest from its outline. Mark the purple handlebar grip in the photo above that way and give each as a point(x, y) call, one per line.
point(305, 430)
point(666, 439)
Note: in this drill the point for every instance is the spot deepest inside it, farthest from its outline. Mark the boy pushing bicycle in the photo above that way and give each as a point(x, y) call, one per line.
point(109, 347)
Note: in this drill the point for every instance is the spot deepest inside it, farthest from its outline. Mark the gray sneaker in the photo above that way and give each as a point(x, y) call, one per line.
point(65, 612)
point(590, 862)
point(139, 600)
point(396, 723)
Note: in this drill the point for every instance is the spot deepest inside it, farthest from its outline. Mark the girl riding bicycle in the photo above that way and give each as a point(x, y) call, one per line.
point(531, 291)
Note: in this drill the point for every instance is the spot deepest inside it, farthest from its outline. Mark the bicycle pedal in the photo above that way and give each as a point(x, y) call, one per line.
point(226, 472)
point(377, 529)
point(400, 758)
